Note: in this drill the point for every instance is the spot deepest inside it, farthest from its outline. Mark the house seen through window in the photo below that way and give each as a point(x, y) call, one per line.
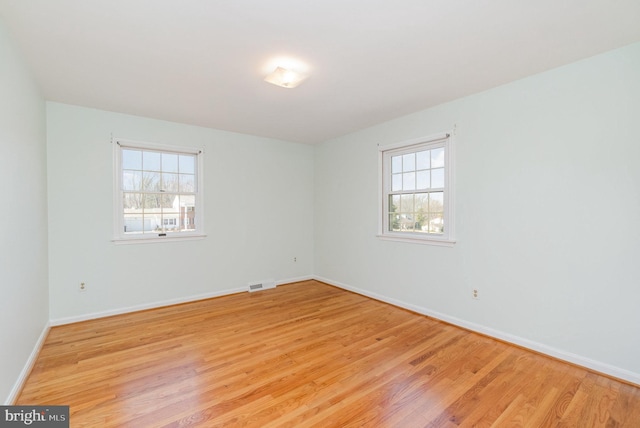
point(417, 191)
point(158, 191)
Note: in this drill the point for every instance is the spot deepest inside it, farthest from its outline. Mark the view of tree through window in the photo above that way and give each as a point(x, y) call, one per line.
point(158, 190)
point(416, 200)
point(417, 192)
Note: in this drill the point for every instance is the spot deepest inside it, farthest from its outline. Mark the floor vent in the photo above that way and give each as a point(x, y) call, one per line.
point(263, 285)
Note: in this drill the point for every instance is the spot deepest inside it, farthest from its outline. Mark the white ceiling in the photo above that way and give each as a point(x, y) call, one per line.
point(202, 62)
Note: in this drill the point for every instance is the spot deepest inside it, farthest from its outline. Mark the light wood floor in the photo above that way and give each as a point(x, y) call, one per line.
point(310, 355)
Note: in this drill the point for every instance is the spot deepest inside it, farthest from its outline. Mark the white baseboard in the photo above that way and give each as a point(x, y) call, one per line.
point(296, 279)
point(144, 306)
point(22, 378)
point(560, 354)
point(597, 366)
point(159, 304)
point(13, 395)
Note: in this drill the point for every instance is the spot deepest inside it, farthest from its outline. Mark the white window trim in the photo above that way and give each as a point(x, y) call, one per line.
point(447, 239)
point(118, 219)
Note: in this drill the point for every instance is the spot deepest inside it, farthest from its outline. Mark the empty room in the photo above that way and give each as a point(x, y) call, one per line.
point(320, 214)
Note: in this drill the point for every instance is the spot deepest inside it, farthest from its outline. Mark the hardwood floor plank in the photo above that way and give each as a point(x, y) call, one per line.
point(309, 355)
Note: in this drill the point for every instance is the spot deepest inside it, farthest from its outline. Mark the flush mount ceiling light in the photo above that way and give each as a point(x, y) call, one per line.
point(285, 77)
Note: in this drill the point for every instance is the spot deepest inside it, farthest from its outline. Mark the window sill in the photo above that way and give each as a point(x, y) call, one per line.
point(418, 240)
point(156, 239)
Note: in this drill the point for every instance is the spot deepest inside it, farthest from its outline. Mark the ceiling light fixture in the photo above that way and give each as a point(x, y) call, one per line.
point(285, 77)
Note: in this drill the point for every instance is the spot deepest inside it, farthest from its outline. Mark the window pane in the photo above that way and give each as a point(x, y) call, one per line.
point(169, 201)
point(151, 181)
point(437, 178)
point(131, 159)
point(396, 182)
point(133, 223)
point(406, 222)
point(422, 221)
point(131, 180)
point(158, 190)
point(153, 222)
point(187, 164)
point(189, 220)
point(151, 161)
point(187, 212)
point(169, 182)
point(409, 181)
point(169, 162)
point(409, 162)
point(422, 180)
point(437, 158)
point(436, 202)
point(422, 212)
point(406, 203)
point(187, 201)
point(151, 203)
point(394, 222)
point(436, 223)
point(422, 202)
point(422, 160)
point(132, 201)
point(187, 183)
point(415, 187)
point(396, 164)
point(394, 203)
point(169, 221)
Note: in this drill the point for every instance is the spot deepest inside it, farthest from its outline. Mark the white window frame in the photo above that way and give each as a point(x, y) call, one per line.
point(385, 152)
point(119, 236)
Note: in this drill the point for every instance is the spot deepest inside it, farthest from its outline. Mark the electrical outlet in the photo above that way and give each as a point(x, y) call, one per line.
point(476, 294)
point(295, 259)
point(83, 287)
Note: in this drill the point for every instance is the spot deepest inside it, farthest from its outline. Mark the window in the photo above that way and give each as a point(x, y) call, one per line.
point(158, 192)
point(417, 191)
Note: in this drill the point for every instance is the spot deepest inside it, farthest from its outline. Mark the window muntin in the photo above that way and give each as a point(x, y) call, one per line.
point(416, 190)
point(158, 191)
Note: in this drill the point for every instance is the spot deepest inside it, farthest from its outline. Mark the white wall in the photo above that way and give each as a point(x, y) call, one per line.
point(547, 214)
point(258, 207)
point(24, 308)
